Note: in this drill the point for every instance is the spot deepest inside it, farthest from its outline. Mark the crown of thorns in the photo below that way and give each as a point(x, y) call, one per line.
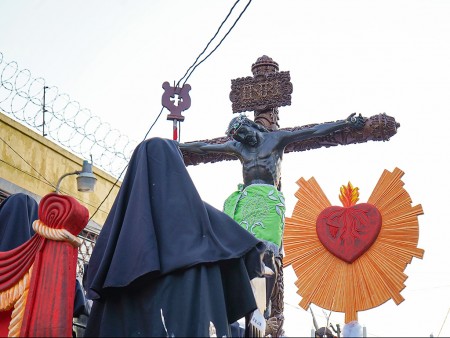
point(234, 127)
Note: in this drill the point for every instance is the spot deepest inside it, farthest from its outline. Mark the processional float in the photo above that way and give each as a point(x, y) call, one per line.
point(264, 93)
point(317, 234)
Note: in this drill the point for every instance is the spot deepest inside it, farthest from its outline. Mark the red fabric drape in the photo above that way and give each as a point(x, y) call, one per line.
point(49, 305)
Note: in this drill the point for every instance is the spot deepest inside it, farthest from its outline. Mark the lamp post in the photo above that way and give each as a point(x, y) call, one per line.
point(85, 180)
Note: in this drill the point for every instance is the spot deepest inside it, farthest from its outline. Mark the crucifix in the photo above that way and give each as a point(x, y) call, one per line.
point(260, 144)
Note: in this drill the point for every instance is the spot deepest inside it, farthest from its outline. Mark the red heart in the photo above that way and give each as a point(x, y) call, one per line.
point(348, 232)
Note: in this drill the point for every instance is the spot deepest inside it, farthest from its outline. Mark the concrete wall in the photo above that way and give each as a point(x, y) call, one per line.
point(31, 163)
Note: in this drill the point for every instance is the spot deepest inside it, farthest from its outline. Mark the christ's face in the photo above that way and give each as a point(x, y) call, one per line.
point(245, 134)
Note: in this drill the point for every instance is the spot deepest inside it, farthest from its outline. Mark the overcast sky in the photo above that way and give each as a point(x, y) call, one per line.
point(344, 56)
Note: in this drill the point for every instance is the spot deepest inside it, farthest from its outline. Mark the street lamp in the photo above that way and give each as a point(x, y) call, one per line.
point(85, 180)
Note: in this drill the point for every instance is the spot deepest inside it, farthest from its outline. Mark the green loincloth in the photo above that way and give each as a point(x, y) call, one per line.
point(258, 208)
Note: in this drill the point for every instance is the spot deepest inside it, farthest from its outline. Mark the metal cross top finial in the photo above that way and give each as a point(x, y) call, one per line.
point(176, 99)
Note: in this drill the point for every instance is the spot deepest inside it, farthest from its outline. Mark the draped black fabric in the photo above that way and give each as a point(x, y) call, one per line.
point(163, 249)
point(17, 214)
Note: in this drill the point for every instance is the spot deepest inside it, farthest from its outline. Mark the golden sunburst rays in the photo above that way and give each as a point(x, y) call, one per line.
point(373, 278)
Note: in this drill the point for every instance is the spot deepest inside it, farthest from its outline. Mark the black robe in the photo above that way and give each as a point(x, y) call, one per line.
point(165, 262)
point(17, 214)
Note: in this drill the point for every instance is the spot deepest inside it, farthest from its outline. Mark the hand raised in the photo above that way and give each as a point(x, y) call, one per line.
point(356, 122)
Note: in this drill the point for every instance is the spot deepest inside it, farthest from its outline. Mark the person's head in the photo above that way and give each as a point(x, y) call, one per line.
point(324, 332)
point(353, 329)
point(244, 130)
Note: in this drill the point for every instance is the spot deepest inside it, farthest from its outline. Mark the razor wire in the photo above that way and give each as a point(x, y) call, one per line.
point(62, 119)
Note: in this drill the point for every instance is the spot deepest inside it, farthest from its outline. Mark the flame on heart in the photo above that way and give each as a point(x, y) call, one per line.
point(349, 195)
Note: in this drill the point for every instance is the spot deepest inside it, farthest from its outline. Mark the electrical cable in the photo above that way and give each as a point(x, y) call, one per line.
point(228, 32)
point(442, 326)
point(48, 182)
point(125, 168)
point(188, 73)
point(24, 172)
point(43, 180)
point(191, 69)
point(154, 122)
point(210, 41)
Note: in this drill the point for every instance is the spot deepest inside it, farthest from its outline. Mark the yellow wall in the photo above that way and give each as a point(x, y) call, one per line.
point(34, 163)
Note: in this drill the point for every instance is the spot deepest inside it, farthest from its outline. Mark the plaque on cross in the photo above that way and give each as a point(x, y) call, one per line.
point(263, 93)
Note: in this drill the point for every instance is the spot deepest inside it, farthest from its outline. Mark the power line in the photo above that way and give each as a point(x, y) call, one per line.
point(27, 163)
point(43, 180)
point(126, 166)
point(154, 122)
point(191, 69)
point(24, 172)
point(446, 316)
point(228, 32)
point(188, 73)
point(210, 41)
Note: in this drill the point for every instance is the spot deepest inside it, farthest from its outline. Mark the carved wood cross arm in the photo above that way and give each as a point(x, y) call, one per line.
point(379, 127)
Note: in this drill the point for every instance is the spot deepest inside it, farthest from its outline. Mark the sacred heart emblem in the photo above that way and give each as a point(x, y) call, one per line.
point(348, 231)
